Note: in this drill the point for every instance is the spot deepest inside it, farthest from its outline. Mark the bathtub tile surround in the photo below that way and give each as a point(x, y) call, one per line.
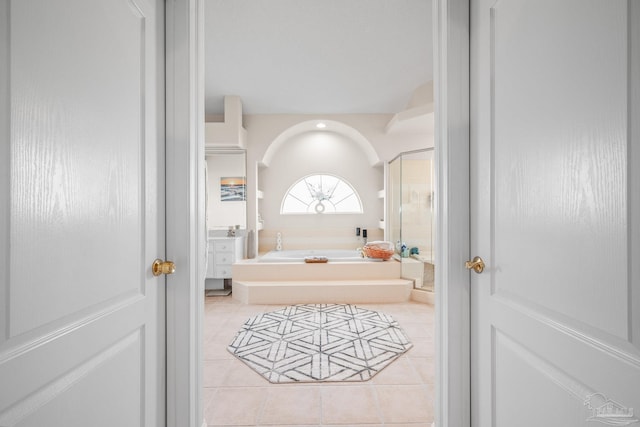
point(324, 237)
point(298, 255)
point(319, 342)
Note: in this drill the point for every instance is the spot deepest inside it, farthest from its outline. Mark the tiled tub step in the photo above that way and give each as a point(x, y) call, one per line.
point(322, 291)
point(249, 270)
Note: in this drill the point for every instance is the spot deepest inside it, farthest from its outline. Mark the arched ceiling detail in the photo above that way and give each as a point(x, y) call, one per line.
point(331, 126)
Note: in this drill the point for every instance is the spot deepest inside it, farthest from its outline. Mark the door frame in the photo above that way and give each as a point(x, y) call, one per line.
point(452, 129)
point(185, 211)
point(185, 229)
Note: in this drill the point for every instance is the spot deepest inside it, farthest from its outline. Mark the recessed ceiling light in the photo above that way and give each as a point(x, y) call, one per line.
point(321, 125)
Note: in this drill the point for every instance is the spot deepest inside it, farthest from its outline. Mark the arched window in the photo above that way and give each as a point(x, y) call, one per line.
point(321, 193)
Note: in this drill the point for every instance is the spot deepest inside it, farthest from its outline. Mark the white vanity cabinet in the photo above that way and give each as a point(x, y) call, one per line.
point(223, 251)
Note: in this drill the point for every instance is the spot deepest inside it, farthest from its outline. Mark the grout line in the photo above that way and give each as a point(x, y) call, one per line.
point(264, 405)
point(320, 407)
point(376, 399)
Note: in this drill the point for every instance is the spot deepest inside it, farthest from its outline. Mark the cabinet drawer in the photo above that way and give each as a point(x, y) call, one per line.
point(210, 265)
point(222, 272)
point(223, 245)
point(223, 258)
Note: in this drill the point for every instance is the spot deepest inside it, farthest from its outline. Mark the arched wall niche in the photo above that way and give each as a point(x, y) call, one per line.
point(302, 150)
point(331, 126)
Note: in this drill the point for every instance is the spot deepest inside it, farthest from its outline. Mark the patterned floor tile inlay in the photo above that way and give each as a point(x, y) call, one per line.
point(319, 342)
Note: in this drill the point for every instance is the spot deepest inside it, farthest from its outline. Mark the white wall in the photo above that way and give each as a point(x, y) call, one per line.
point(311, 153)
point(319, 153)
point(221, 215)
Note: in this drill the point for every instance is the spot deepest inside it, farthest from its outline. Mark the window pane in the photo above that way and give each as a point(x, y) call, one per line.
point(321, 194)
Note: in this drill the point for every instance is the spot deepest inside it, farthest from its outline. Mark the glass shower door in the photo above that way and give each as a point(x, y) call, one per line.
point(411, 215)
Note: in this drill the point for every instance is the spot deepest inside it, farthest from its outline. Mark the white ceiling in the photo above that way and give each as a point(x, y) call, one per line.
point(316, 56)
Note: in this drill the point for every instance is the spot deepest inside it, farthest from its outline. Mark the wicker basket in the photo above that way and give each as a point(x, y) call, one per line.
point(378, 250)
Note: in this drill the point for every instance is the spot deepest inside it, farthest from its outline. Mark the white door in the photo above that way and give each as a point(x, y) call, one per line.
point(81, 213)
point(555, 183)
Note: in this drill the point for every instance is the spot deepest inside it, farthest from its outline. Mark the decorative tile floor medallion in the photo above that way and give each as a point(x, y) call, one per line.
point(319, 342)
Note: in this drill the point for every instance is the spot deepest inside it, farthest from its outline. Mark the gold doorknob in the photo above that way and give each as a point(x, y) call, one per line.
point(162, 267)
point(477, 264)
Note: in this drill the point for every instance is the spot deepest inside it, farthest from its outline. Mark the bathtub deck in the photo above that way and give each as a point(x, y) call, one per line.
point(298, 283)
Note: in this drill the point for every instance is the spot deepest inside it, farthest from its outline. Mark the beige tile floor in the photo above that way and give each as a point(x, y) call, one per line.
point(234, 395)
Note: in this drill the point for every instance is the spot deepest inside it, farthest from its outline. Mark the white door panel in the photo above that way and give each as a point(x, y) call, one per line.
point(555, 315)
point(82, 324)
point(556, 185)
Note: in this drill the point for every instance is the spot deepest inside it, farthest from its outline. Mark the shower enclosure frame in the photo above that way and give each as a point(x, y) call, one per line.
point(411, 215)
